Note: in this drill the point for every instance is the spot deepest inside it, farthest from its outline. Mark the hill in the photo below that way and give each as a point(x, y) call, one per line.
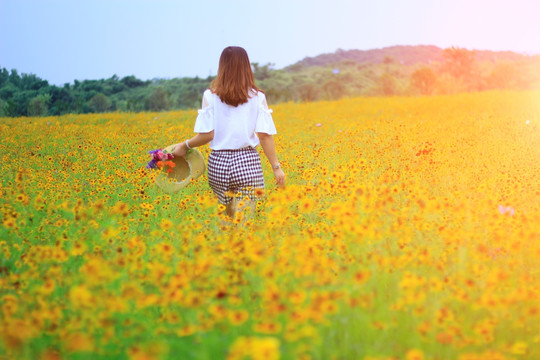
point(403, 54)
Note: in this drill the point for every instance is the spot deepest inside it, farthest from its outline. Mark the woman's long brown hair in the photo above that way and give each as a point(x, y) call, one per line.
point(235, 78)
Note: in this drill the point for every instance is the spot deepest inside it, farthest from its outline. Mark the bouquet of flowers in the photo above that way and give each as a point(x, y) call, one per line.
point(161, 159)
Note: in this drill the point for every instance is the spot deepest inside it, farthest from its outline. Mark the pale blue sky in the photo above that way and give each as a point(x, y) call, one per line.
point(64, 40)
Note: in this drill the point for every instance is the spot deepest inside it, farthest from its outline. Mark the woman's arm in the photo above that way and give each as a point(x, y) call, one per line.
point(267, 143)
point(196, 141)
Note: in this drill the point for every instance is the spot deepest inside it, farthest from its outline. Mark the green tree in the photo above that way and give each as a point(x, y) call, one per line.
point(3, 104)
point(262, 72)
point(333, 89)
point(507, 76)
point(387, 61)
point(99, 103)
point(308, 91)
point(8, 91)
point(10, 108)
point(135, 104)
point(21, 99)
point(14, 78)
point(424, 80)
point(159, 99)
point(4, 76)
point(278, 87)
point(38, 105)
point(32, 82)
point(459, 62)
point(132, 82)
point(62, 100)
point(387, 84)
point(90, 86)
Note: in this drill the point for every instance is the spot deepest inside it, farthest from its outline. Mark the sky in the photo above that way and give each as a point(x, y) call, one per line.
point(64, 40)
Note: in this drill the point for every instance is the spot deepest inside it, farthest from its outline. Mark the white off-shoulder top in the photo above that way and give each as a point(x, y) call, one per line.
point(234, 127)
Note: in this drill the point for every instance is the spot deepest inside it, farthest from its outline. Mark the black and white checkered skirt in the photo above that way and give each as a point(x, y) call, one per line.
point(235, 173)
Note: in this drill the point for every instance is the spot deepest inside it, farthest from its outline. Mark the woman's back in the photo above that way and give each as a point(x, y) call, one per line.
point(234, 126)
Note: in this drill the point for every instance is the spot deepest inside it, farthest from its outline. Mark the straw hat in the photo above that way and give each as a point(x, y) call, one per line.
point(187, 168)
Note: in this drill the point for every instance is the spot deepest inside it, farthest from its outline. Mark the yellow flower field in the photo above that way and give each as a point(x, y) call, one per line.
point(409, 229)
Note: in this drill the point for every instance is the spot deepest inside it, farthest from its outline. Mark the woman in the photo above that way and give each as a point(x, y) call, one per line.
point(234, 119)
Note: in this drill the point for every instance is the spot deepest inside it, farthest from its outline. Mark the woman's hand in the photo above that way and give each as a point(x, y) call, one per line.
point(267, 143)
point(180, 150)
point(280, 177)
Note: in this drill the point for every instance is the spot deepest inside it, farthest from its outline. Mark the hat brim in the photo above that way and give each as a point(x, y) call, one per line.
point(187, 168)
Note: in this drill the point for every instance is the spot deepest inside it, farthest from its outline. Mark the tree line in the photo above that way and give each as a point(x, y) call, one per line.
point(27, 94)
point(329, 77)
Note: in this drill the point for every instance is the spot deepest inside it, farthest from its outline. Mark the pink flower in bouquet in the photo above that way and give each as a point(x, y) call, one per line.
point(159, 159)
point(158, 155)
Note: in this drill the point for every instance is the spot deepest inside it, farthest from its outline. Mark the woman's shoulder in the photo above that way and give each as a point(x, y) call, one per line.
point(209, 95)
point(257, 92)
point(258, 95)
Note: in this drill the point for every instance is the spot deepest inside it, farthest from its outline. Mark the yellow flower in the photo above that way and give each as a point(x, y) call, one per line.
point(268, 327)
point(519, 348)
point(414, 354)
point(80, 296)
point(166, 224)
point(79, 342)
point(361, 277)
point(256, 348)
point(238, 317)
